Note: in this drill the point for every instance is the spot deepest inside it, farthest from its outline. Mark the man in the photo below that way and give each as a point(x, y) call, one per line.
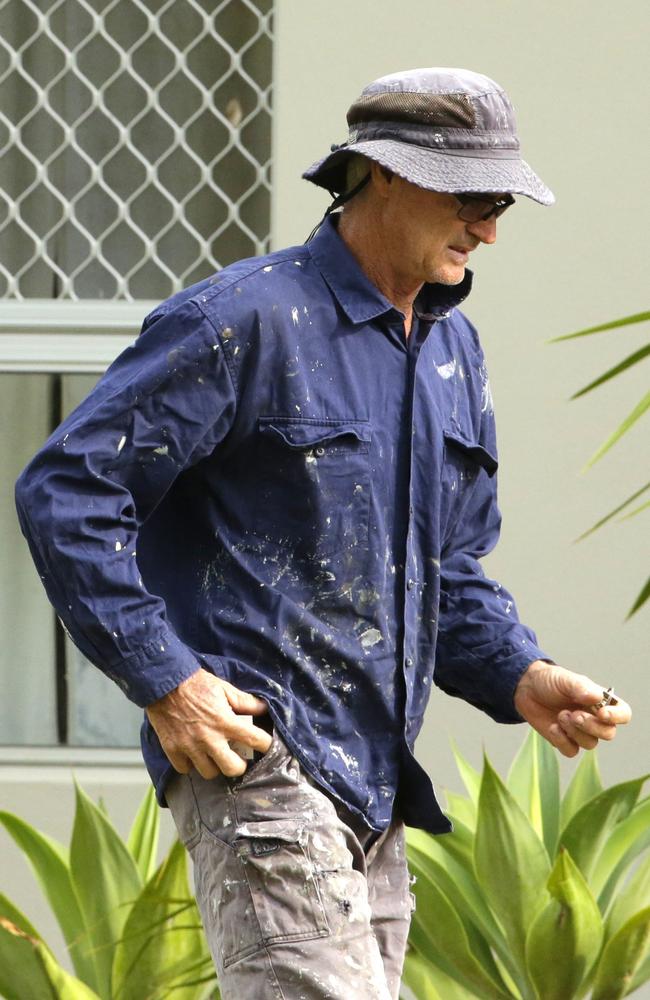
point(303, 449)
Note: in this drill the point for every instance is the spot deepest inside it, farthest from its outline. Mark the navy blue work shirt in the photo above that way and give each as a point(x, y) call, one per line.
point(275, 484)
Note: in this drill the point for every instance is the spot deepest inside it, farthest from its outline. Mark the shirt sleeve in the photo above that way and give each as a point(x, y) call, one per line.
point(482, 648)
point(164, 405)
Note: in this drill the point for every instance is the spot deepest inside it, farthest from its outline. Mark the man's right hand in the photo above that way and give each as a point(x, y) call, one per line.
point(196, 720)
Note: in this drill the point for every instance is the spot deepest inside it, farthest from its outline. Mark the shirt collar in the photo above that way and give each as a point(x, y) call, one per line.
point(359, 298)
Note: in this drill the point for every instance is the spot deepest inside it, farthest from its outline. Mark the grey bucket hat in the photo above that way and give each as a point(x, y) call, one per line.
point(442, 129)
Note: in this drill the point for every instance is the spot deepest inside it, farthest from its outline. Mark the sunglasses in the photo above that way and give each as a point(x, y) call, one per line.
point(479, 207)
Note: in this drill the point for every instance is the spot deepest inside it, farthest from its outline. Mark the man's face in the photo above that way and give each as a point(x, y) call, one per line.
point(428, 240)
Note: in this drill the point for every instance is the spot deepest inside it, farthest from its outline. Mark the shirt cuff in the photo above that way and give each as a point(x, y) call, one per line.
point(155, 669)
point(491, 684)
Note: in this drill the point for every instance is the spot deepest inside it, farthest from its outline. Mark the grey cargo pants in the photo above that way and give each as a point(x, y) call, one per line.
point(299, 900)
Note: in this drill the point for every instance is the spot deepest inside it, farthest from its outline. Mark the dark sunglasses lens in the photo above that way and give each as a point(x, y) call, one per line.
point(477, 210)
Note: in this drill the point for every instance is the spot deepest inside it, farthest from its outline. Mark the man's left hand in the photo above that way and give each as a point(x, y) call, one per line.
point(560, 705)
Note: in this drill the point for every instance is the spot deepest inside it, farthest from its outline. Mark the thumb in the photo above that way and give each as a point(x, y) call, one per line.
point(244, 703)
point(580, 688)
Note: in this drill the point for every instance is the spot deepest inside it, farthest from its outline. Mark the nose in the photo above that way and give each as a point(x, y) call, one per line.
point(484, 230)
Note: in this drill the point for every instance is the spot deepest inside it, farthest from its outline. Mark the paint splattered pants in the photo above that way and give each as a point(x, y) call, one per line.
point(298, 899)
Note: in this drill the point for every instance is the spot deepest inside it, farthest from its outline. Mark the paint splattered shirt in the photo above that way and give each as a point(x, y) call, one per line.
point(274, 484)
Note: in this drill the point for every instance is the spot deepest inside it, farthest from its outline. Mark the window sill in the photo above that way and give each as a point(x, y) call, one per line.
point(74, 757)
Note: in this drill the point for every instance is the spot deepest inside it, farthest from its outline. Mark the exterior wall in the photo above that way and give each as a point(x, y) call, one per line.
point(575, 74)
point(574, 71)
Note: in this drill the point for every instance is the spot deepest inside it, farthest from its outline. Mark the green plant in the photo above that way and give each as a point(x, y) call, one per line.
point(642, 406)
point(534, 895)
point(132, 931)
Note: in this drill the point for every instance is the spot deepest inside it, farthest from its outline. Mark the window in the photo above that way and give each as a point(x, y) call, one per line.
point(135, 140)
point(51, 694)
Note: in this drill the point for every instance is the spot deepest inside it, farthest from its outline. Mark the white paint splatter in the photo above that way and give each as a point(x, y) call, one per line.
point(487, 405)
point(163, 450)
point(370, 638)
point(294, 315)
point(350, 762)
point(267, 269)
point(446, 371)
point(118, 546)
point(121, 443)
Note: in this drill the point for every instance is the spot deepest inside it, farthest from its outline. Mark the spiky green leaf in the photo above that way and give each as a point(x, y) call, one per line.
point(21, 968)
point(626, 842)
point(622, 429)
point(142, 841)
point(459, 882)
point(622, 956)
point(162, 944)
point(641, 976)
point(589, 829)
point(449, 937)
point(65, 986)
point(634, 896)
point(534, 781)
point(470, 776)
point(610, 325)
point(637, 510)
point(585, 785)
point(565, 937)
point(628, 362)
point(28, 969)
point(614, 512)
point(427, 982)
point(49, 861)
point(461, 809)
point(106, 883)
point(480, 927)
point(511, 862)
point(459, 844)
point(642, 597)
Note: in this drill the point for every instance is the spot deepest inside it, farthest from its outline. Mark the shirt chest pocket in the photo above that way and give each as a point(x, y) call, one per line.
point(465, 464)
point(314, 485)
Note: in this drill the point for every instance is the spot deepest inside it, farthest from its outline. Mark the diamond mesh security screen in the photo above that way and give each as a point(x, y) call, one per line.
point(135, 138)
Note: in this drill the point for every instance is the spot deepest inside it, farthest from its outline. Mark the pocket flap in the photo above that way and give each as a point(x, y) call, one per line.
point(299, 433)
point(273, 829)
point(474, 450)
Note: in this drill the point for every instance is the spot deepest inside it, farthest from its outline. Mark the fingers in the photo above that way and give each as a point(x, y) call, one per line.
point(562, 742)
point(210, 752)
point(196, 721)
point(585, 729)
point(242, 702)
point(222, 761)
point(618, 715)
point(179, 762)
point(252, 736)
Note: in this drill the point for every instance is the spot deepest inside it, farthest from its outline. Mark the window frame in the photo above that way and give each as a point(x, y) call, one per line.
point(83, 336)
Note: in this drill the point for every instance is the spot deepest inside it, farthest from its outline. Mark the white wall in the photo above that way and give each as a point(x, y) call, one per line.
point(575, 71)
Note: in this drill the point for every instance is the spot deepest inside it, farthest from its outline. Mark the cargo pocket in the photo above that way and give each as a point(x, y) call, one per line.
point(464, 461)
point(314, 477)
point(284, 891)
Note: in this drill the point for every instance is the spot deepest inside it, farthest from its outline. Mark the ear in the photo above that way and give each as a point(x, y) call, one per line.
point(381, 178)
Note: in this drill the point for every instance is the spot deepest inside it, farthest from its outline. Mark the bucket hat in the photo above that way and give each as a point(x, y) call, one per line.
point(448, 130)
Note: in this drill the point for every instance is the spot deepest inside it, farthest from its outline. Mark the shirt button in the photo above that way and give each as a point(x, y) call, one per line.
point(410, 584)
point(320, 451)
point(408, 661)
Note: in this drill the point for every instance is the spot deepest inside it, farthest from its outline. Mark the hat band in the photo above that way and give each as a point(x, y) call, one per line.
point(445, 140)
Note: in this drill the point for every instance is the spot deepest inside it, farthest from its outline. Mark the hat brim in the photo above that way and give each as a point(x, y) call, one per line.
point(435, 170)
